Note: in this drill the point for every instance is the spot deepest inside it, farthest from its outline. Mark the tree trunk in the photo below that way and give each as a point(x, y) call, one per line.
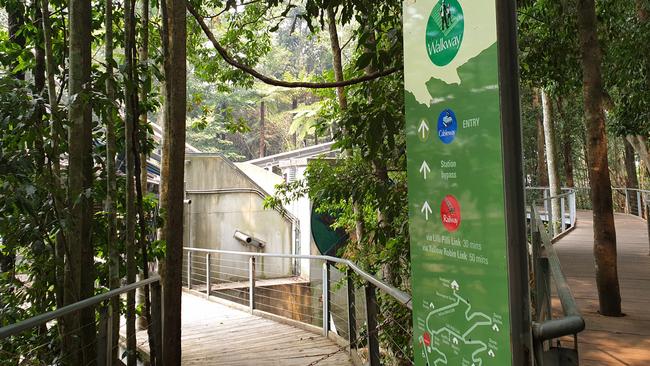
point(262, 147)
point(129, 127)
point(551, 157)
point(111, 182)
point(80, 271)
point(542, 168)
point(174, 21)
point(567, 145)
point(142, 295)
point(631, 180)
point(337, 63)
point(601, 192)
point(294, 106)
point(54, 165)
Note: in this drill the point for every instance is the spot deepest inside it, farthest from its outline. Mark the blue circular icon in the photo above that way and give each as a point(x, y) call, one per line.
point(447, 126)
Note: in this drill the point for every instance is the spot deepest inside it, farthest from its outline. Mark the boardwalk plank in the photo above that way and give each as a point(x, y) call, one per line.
point(214, 334)
point(607, 340)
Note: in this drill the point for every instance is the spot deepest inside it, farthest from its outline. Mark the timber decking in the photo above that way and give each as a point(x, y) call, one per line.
point(215, 334)
point(606, 340)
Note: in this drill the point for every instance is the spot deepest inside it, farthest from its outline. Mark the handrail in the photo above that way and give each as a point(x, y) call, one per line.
point(21, 326)
point(572, 322)
point(401, 296)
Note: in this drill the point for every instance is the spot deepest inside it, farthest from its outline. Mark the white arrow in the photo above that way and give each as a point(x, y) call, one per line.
point(495, 328)
point(455, 340)
point(426, 210)
point(423, 129)
point(455, 286)
point(424, 169)
point(491, 353)
point(431, 306)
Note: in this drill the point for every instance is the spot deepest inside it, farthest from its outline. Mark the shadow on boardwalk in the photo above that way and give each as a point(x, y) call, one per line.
point(611, 341)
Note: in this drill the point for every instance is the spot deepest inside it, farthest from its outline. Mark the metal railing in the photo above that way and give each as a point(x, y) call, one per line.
point(560, 212)
point(336, 298)
point(549, 347)
point(103, 349)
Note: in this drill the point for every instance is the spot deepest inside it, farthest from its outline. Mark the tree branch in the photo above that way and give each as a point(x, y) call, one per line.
point(268, 80)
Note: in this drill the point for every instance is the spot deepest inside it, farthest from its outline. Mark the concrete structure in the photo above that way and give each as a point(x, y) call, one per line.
point(222, 198)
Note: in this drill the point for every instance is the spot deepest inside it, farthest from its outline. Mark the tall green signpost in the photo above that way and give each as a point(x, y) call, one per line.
point(466, 202)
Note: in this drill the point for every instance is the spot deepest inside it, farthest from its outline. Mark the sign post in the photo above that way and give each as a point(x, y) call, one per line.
point(465, 175)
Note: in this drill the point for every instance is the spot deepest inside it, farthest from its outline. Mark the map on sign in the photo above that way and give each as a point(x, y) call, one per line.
point(454, 328)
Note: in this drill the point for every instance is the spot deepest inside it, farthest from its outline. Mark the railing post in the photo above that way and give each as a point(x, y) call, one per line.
point(627, 202)
point(109, 335)
point(251, 288)
point(157, 320)
point(207, 274)
point(638, 204)
point(326, 298)
point(352, 315)
point(189, 270)
point(562, 209)
point(371, 316)
point(103, 338)
point(572, 208)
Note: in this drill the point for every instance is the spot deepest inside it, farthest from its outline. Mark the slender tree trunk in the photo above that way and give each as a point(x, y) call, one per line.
point(174, 20)
point(262, 147)
point(131, 119)
point(542, 168)
point(343, 104)
point(111, 181)
point(567, 145)
point(54, 166)
point(80, 272)
point(141, 163)
point(294, 106)
point(601, 192)
point(631, 180)
point(551, 157)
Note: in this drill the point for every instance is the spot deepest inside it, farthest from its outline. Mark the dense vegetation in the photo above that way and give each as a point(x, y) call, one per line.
point(82, 82)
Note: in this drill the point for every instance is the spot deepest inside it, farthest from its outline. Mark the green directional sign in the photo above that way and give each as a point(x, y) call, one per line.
point(457, 193)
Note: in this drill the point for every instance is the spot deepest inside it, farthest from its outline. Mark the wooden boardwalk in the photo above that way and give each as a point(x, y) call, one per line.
point(215, 334)
point(606, 340)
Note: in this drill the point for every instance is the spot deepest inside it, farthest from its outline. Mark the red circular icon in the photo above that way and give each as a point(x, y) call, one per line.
point(450, 213)
point(427, 338)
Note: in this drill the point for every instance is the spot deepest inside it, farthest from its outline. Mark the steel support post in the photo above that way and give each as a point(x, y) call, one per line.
point(326, 298)
point(251, 288)
point(352, 315)
point(207, 274)
point(371, 316)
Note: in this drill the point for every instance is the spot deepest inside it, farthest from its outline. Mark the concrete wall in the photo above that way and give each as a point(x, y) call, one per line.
point(222, 201)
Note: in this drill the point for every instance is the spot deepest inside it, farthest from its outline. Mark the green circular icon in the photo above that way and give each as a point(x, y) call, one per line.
point(445, 32)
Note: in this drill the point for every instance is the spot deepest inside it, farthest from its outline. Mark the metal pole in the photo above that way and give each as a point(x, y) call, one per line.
point(371, 316)
point(207, 274)
point(513, 177)
point(562, 214)
point(352, 315)
point(638, 204)
point(326, 298)
point(109, 335)
point(251, 288)
point(156, 319)
point(189, 270)
point(627, 202)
